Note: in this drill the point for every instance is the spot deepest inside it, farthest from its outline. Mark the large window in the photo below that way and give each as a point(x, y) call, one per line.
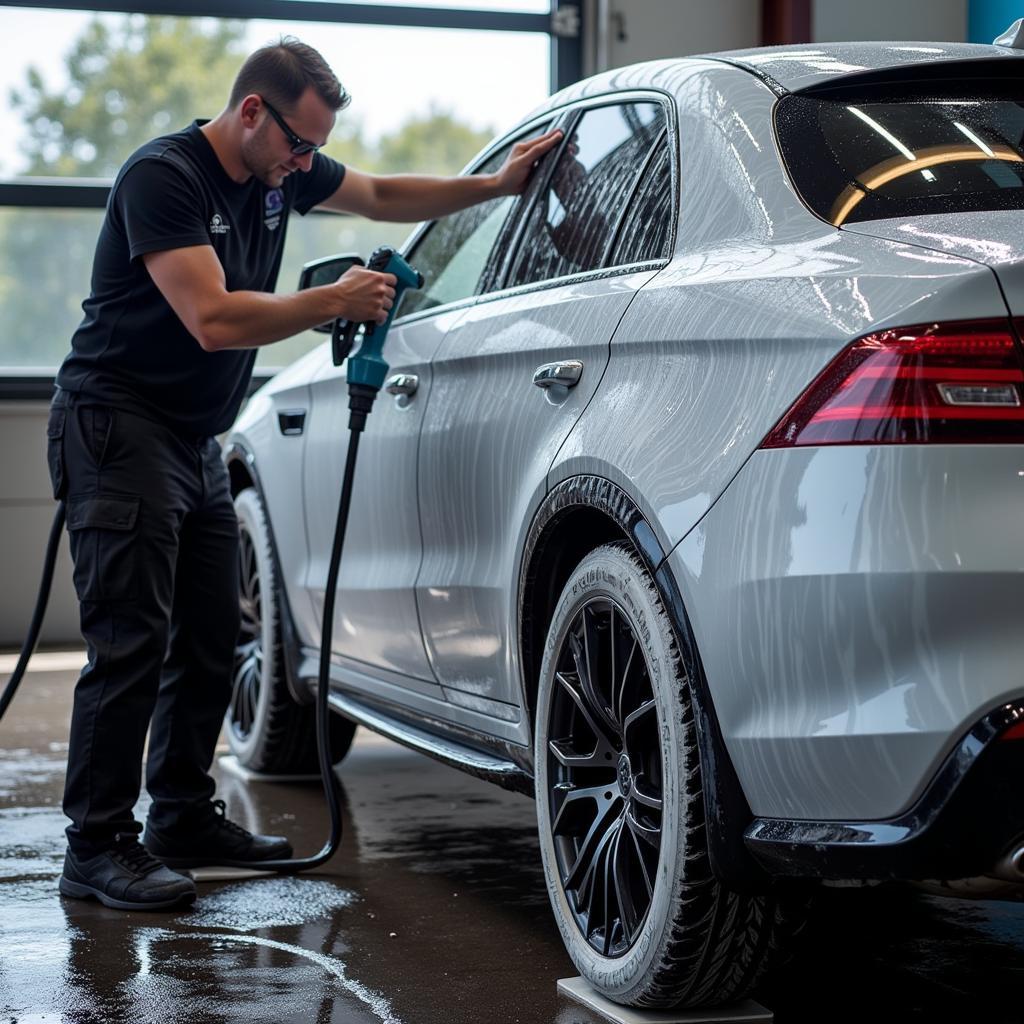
point(938, 149)
point(91, 88)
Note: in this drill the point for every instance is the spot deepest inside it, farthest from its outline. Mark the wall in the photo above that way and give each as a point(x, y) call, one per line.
point(26, 510)
point(987, 19)
point(676, 28)
point(944, 20)
point(652, 29)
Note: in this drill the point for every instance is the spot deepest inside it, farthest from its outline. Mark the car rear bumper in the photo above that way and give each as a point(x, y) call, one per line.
point(967, 820)
point(857, 609)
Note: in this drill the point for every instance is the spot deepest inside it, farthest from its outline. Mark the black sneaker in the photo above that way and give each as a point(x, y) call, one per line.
point(125, 877)
point(214, 841)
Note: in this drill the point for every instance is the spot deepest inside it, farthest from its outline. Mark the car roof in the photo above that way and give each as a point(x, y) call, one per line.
point(799, 67)
point(791, 68)
point(794, 68)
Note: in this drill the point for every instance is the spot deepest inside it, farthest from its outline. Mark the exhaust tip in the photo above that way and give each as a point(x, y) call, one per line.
point(1010, 867)
point(1016, 859)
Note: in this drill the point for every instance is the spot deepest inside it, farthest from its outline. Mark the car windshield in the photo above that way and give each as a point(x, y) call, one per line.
point(854, 161)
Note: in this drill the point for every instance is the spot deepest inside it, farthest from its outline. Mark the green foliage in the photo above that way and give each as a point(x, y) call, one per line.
point(128, 81)
point(434, 144)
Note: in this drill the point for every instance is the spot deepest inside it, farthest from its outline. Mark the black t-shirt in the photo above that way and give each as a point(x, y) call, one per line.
point(131, 350)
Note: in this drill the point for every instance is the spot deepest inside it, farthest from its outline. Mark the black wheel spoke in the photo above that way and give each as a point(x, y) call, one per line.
point(634, 716)
point(574, 805)
point(606, 887)
point(600, 757)
point(236, 701)
point(648, 833)
point(649, 885)
point(625, 677)
point(596, 838)
point(612, 643)
point(248, 662)
point(605, 741)
point(251, 698)
point(628, 914)
point(592, 875)
point(645, 796)
point(585, 655)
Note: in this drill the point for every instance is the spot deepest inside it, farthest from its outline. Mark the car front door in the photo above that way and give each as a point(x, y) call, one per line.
point(376, 626)
point(490, 433)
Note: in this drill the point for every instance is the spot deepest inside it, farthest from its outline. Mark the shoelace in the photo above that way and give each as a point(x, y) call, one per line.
point(133, 855)
point(220, 808)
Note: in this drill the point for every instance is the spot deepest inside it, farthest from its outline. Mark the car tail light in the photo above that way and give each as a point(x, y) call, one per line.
point(947, 383)
point(1015, 732)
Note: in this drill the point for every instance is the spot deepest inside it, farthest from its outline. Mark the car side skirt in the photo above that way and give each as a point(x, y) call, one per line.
point(442, 744)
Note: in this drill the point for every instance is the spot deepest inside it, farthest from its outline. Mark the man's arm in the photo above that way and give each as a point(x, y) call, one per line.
point(414, 197)
point(192, 281)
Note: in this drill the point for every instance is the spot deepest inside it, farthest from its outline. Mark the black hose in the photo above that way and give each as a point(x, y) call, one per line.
point(27, 648)
point(332, 788)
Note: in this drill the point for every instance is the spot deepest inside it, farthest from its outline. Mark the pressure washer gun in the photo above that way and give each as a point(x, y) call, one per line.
point(367, 369)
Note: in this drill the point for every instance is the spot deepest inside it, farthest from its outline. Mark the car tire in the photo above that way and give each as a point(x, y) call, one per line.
point(620, 804)
point(267, 730)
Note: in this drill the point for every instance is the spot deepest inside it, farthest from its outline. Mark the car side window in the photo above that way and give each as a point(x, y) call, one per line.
point(452, 255)
point(572, 223)
point(646, 229)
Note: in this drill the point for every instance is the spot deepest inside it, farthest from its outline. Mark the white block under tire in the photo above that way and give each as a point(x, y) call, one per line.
point(645, 923)
point(267, 730)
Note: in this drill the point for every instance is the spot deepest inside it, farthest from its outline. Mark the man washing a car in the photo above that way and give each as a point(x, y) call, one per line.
point(181, 296)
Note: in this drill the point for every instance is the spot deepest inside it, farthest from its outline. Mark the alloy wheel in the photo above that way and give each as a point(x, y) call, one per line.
point(606, 791)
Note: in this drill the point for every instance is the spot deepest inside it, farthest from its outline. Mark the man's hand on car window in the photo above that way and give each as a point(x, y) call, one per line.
point(515, 172)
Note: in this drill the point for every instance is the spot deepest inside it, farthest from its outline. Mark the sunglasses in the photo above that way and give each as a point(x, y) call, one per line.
point(300, 146)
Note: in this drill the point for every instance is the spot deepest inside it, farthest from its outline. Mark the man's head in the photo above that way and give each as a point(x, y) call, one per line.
point(285, 97)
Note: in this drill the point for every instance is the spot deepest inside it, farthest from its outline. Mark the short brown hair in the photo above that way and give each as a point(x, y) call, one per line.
point(282, 72)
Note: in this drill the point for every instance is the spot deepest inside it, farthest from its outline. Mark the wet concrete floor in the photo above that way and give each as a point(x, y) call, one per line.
point(434, 911)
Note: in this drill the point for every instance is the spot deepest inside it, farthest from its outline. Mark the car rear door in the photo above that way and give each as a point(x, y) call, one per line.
point(490, 435)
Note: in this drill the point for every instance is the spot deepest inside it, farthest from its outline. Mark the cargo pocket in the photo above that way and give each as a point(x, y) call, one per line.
point(95, 424)
point(104, 546)
point(55, 450)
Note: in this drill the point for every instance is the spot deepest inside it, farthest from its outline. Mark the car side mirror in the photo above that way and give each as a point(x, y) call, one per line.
point(326, 271)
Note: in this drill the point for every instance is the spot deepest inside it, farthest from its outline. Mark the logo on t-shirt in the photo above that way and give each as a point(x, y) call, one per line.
point(273, 204)
point(218, 226)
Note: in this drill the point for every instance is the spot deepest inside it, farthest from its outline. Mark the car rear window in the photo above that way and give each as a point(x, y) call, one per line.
point(895, 157)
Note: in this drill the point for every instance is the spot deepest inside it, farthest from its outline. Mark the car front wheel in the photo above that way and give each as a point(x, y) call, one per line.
point(267, 730)
point(620, 803)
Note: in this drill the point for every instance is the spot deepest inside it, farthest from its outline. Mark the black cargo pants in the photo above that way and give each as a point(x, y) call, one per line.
point(154, 541)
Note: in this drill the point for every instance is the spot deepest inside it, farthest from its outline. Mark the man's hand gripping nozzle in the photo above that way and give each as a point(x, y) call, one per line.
point(367, 369)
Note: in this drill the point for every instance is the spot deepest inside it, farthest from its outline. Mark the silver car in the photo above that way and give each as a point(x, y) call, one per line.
point(695, 506)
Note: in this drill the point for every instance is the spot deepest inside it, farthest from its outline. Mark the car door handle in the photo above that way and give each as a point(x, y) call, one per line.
point(566, 373)
point(291, 422)
point(402, 384)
